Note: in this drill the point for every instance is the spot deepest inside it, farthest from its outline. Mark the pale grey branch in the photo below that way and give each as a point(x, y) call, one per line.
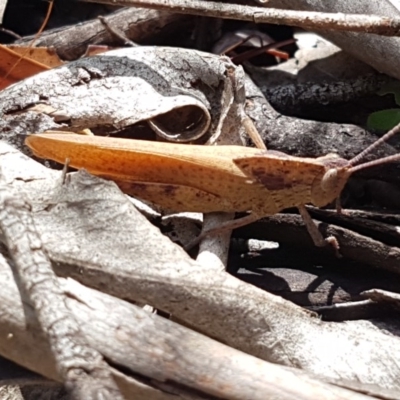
point(165, 353)
point(305, 19)
point(82, 369)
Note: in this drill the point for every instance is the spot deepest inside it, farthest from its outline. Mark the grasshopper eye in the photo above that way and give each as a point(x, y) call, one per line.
point(329, 180)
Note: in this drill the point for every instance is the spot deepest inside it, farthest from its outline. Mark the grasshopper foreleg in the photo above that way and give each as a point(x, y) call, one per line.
point(315, 234)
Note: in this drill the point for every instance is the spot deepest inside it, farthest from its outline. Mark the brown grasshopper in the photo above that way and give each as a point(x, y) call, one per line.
point(210, 178)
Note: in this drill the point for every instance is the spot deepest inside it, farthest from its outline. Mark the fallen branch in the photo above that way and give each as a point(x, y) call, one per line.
point(304, 19)
point(81, 368)
point(137, 24)
point(157, 351)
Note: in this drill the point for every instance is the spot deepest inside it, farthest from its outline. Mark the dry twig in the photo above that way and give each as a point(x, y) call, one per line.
point(213, 250)
point(305, 19)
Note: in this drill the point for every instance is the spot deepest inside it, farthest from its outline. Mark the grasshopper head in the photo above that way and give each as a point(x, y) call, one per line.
point(328, 186)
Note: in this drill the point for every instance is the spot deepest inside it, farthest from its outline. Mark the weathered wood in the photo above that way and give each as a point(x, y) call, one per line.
point(137, 24)
point(81, 368)
point(290, 98)
point(93, 233)
point(152, 347)
point(91, 93)
point(382, 52)
point(306, 138)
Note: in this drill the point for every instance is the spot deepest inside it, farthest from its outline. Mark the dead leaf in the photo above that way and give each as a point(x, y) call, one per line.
point(13, 68)
point(43, 55)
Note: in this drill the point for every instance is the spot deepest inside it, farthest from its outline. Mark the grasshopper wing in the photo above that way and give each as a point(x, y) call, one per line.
point(173, 197)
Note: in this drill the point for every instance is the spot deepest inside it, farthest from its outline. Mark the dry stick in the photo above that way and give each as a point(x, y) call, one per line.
point(291, 97)
point(81, 368)
point(305, 19)
point(352, 306)
point(137, 24)
point(10, 32)
point(116, 32)
point(383, 296)
point(213, 249)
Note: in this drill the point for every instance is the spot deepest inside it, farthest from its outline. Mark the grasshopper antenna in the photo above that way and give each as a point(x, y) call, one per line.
point(384, 160)
point(355, 164)
point(356, 160)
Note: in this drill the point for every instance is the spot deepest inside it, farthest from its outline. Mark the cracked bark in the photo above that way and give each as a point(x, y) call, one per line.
point(96, 225)
point(84, 373)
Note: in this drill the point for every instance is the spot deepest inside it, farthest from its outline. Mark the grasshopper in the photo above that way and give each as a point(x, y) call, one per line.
point(210, 178)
